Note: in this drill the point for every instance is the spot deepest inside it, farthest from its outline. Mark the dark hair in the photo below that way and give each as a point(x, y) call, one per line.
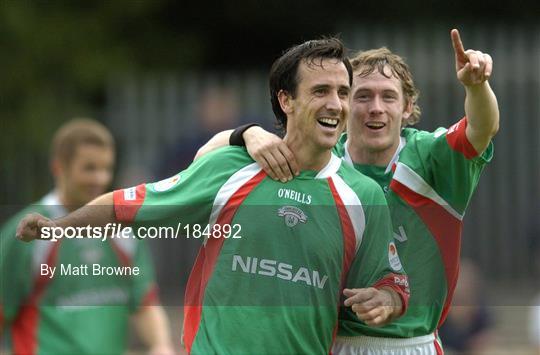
point(284, 71)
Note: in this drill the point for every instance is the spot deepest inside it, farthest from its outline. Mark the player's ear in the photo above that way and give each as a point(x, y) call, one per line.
point(408, 109)
point(285, 101)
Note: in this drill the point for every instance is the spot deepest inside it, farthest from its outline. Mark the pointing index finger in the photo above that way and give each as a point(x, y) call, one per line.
point(458, 45)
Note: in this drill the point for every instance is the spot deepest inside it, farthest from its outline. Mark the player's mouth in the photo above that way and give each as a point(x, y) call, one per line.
point(328, 122)
point(375, 125)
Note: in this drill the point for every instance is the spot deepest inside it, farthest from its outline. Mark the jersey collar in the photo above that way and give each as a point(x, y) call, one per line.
point(395, 157)
point(330, 169)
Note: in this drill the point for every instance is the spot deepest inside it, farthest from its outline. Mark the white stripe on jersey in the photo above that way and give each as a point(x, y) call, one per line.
point(127, 245)
point(330, 169)
point(236, 181)
point(353, 206)
point(415, 182)
point(42, 248)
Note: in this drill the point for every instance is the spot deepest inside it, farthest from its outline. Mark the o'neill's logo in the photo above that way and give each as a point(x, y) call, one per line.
point(292, 215)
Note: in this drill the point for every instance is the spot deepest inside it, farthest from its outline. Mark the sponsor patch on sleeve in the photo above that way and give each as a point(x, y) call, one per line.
point(393, 257)
point(166, 184)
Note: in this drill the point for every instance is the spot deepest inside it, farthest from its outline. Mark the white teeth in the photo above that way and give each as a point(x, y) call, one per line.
point(330, 121)
point(375, 124)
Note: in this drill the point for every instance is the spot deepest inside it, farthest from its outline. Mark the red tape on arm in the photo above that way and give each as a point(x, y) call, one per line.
point(457, 139)
point(128, 201)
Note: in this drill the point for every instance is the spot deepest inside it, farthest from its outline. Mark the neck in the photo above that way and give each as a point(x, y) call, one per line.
point(308, 156)
point(64, 200)
point(363, 155)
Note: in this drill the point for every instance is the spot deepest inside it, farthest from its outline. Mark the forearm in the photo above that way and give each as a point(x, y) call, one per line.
point(152, 327)
point(482, 113)
point(219, 140)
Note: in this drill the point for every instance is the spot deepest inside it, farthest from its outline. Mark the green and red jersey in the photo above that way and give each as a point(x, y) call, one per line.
point(73, 312)
point(276, 289)
point(428, 185)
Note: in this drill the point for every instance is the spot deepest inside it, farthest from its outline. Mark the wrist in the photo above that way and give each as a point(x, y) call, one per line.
point(395, 301)
point(474, 88)
point(237, 136)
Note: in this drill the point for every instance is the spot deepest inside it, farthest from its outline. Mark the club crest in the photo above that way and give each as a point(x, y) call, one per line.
point(292, 215)
point(393, 257)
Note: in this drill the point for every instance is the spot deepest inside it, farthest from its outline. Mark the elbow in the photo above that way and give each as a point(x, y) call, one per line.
point(205, 149)
point(199, 153)
point(495, 128)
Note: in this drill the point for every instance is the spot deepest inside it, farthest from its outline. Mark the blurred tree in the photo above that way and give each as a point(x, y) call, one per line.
point(56, 58)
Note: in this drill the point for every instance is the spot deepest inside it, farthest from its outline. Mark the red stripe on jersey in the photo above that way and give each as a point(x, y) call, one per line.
point(126, 209)
point(349, 242)
point(349, 239)
point(25, 326)
point(438, 348)
point(446, 230)
point(400, 284)
point(458, 141)
point(206, 260)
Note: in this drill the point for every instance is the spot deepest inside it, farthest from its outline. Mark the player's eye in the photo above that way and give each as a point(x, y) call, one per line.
point(343, 93)
point(319, 91)
point(362, 97)
point(389, 97)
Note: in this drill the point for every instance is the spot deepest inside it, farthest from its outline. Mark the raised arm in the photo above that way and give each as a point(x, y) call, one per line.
point(264, 147)
point(96, 213)
point(473, 69)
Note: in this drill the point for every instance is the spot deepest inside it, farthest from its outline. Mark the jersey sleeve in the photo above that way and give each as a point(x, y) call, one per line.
point(16, 273)
point(377, 262)
point(144, 288)
point(449, 164)
point(186, 197)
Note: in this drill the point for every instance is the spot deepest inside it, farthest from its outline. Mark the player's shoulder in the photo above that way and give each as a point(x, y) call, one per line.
point(414, 135)
point(419, 144)
point(418, 136)
point(229, 156)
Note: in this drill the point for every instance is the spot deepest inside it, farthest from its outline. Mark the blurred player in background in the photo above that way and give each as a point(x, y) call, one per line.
point(77, 313)
point(274, 287)
point(428, 178)
point(468, 328)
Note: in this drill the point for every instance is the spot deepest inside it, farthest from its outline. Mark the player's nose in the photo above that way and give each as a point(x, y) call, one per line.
point(334, 103)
